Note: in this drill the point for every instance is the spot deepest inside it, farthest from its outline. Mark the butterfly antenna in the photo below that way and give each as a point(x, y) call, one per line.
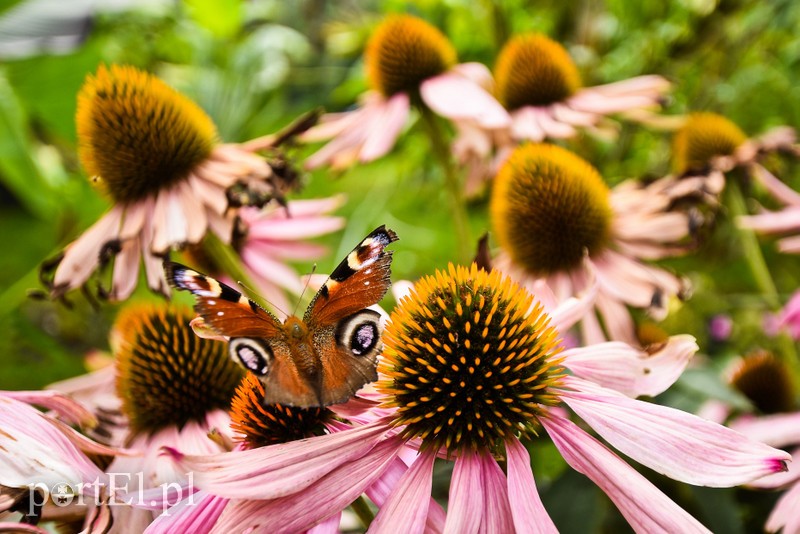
point(308, 280)
point(250, 292)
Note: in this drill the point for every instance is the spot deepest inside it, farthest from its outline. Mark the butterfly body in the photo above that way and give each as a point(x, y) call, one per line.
point(320, 359)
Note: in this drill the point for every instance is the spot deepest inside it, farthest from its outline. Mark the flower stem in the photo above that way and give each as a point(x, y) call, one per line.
point(441, 151)
point(760, 270)
point(363, 511)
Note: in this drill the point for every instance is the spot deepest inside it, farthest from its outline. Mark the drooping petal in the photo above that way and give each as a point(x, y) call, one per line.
point(778, 189)
point(465, 502)
point(278, 470)
point(644, 507)
point(633, 372)
point(385, 129)
point(497, 509)
point(53, 400)
point(677, 444)
point(406, 509)
point(527, 509)
point(196, 514)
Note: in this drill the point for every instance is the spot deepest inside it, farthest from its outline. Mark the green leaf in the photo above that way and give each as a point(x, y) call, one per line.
point(223, 18)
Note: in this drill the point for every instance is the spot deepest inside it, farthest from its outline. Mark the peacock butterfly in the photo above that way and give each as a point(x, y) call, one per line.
point(321, 359)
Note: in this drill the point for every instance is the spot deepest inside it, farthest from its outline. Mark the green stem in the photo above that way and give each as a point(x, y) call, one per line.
point(363, 511)
point(229, 262)
point(760, 270)
point(441, 150)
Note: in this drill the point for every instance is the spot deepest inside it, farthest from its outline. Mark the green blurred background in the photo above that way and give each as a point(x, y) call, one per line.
point(254, 66)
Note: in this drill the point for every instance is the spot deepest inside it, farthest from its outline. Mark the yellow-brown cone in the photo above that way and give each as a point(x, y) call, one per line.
point(703, 137)
point(137, 135)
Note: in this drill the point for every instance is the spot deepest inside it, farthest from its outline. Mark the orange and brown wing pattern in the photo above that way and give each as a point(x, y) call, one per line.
point(223, 308)
point(360, 280)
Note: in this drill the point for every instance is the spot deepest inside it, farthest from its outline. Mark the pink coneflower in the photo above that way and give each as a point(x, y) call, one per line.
point(42, 460)
point(266, 239)
point(408, 61)
point(539, 84)
point(471, 369)
point(784, 221)
point(155, 153)
point(559, 226)
point(173, 388)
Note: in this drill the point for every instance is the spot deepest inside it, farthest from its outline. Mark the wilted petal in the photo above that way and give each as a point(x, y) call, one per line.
point(527, 509)
point(644, 507)
point(406, 509)
point(677, 444)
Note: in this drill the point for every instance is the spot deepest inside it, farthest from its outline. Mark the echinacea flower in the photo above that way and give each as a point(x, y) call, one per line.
point(408, 61)
point(257, 425)
point(156, 155)
point(539, 84)
point(174, 388)
point(774, 420)
point(558, 225)
point(46, 472)
point(471, 369)
point(784, 221)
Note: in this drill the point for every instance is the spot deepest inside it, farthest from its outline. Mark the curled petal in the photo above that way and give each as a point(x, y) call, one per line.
point(631, 371)
point(644, 507)
point(677, 444)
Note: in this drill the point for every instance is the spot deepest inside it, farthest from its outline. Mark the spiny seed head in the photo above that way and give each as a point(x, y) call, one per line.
point(533, 70)
point(259, 425)
point(766, 381)
point(166, 375)
point(469, 360)
point(547, 207)
point(701, 138)
point(137, 135)
point(403, 52)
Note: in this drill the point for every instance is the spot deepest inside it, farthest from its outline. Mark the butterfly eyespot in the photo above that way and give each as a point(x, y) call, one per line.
point(360, 333)
point(252, 354)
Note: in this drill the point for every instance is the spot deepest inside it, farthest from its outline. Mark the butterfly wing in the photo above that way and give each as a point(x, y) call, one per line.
point(221, 307)
point(346, 335)
point(360, 280)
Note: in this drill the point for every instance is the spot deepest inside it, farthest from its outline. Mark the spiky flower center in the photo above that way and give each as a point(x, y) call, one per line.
point(137, 135)
point(547, 207)
point(533, 70)
point(469, 360)
point(403, 52)
point(258, 424)
point(766, 381)
point(166, 375)
point(703, 137)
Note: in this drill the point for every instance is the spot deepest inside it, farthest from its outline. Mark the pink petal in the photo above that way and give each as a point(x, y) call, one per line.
point(329, 526)
point(525, 124)
point(210, 194)
point(82, 256)
point(328, 496)
point(65, 406)
point(617, 318)
point(453, 96)
point(170, 226)
point(380, 490)
point(527, 509)
point(789, 245)
point(776, 430)
point(465, 503)
point(20, 528)
point(677, 444)
point(781, 480)
point(573, 309)
point(126, 270)
point(330, 125)
point(271, 270)
point(644, 507)
point(351, 138)
point(661, 227)
point(497, 511)
point(278, 470)
point(784, 515)
point(552, 127)
point(786, 220)
point(292, 229)
point(778, 189)
point(406, 509)
point(476, 72)
point(384, 129)
point(632, 372)
point(196, 514)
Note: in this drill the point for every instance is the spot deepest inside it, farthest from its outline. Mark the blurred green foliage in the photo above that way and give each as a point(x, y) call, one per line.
point(255, 66)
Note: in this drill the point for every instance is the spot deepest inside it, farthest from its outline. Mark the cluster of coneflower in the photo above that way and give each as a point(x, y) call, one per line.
point(534, 340)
